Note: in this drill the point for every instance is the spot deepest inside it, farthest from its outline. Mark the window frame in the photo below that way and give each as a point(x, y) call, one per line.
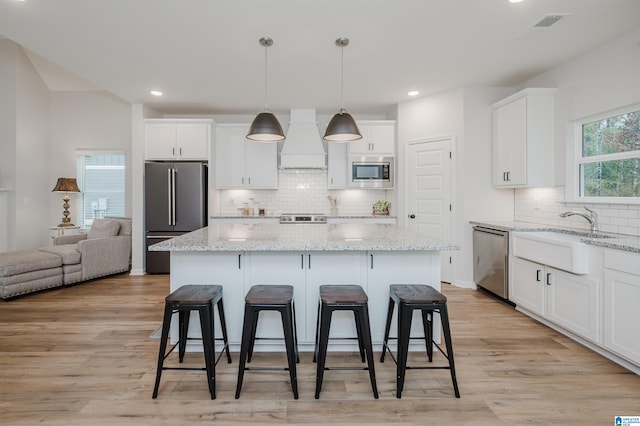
point(575, 159)
point(80, 165)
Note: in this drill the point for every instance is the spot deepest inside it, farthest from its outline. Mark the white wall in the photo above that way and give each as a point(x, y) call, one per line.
point(86, 121)
point(464, 115)
point(601, 80)
point(24, 149)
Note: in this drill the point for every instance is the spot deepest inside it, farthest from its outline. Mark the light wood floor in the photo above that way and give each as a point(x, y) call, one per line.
point(83, 356)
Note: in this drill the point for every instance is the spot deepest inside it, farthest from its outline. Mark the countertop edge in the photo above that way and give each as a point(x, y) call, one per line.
point(622, 242)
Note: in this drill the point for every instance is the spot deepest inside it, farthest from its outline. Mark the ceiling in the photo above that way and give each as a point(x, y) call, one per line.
point(205, 56)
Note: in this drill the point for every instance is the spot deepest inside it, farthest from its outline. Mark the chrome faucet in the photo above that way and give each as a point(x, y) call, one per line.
point(592, 217)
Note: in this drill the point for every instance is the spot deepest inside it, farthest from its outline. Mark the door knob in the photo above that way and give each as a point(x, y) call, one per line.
point(412, 216)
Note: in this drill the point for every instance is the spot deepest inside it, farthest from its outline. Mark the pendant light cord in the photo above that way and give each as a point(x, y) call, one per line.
point(266, 105)
point(341, 79)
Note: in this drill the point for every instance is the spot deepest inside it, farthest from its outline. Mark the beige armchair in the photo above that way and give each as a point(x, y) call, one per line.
point(105, 250)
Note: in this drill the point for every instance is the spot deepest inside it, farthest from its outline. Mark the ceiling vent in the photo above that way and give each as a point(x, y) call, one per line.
point(543, 24)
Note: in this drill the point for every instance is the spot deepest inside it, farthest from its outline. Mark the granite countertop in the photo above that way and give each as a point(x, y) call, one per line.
point(623, 242)
point(303, 237)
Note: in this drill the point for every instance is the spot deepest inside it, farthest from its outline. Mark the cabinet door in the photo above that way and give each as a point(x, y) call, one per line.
point(621, 314)
point(573, 303)
point(226, 269)
point(527, 285)
point(337, 165)
point(377, 138)
point(279, 268)
point(229, 158)
point(193, 141)
point(333, 268)
point(261, 165)
point(510, 144)
point(398, 267)
point(160, 141)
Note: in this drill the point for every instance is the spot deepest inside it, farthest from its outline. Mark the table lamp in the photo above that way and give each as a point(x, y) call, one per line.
point(66, 185)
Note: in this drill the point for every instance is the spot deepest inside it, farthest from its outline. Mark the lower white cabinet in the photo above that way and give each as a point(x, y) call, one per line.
point(568, 300)
point(527, 285)
point(621, 317)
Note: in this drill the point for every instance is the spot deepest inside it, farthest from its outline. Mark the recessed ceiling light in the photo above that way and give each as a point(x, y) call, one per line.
point(413, 93)
point(156, 93)
point(515, 1)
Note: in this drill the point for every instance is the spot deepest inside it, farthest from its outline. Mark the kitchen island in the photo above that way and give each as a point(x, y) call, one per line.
point(238, 256)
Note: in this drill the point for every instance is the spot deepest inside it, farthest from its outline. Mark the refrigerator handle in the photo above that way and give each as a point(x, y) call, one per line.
point(173, 197)
point(169, 194)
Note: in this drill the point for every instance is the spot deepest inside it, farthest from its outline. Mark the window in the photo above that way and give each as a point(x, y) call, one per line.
point(608, 158)
point(101, 177)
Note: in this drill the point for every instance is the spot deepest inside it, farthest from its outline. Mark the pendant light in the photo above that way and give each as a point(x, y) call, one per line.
point(265, 127)
point(342, 127)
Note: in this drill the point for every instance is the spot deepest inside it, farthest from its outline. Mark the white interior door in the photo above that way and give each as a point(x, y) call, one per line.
point(428, 166)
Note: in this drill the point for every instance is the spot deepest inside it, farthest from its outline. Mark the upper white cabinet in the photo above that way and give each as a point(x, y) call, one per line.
point(523, 139)
point(378, 137)
point(241, 163)
point(337, 165)
point(177, 139)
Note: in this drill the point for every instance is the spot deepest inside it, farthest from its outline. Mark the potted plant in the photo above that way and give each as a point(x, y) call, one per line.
point(381, 208)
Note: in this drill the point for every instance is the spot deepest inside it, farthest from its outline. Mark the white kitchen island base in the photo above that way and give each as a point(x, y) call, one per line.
point(324, 256)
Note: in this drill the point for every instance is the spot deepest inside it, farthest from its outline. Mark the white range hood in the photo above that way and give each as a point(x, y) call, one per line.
point(303, 147)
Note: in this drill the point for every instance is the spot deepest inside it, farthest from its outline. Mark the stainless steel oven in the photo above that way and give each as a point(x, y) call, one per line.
point(370, 172)
point(491, 260)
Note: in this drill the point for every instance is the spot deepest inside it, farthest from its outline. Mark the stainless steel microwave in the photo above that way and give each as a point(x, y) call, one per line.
point(370, 172)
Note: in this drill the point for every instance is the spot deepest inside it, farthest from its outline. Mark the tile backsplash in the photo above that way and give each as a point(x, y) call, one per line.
point(544, 205)
point(302, 191)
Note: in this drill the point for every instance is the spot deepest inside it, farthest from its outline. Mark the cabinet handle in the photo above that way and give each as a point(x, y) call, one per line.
point(309, 262)
point(302, 261)
point(548, 278)
point(371, 261)
point(538, 274)
point(239, 261)
point(249, 180)
point(180, 152)
point(508, 176)
point(242, 180)
point(173, 151)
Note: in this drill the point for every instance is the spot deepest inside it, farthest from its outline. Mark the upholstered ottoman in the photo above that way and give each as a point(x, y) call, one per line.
point(71, 267)
point(24, 272)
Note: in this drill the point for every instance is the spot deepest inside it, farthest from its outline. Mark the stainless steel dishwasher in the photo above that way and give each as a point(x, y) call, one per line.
point(491, 260)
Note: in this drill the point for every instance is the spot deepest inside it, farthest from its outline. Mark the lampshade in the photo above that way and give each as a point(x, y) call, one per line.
point(66, 185)
point(265, 128)
point(342, 128)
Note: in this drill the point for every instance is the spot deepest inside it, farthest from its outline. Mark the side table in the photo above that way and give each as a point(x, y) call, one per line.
point(58, 231)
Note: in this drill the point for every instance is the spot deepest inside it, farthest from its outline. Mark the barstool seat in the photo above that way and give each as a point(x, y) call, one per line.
point(428, 300)
point(269, 298)
point(200, 298)
point(343, 298)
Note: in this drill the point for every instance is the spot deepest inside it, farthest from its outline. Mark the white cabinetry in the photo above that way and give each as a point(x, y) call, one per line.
point(523, 139)
point(337, 165)
point(568, 300)
point(241, 163)
point(621, 301)
point(378, 137)
point(181, 139)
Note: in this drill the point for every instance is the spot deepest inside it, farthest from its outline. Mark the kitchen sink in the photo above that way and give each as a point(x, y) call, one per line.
point(561, 250)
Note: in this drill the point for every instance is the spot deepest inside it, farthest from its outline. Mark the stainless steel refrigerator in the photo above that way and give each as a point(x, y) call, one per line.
point(175, 203)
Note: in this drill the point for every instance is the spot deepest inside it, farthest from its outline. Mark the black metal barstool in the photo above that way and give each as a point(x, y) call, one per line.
point(200, 298)
point(428, 300)
point(343, 298)
point(269, 298)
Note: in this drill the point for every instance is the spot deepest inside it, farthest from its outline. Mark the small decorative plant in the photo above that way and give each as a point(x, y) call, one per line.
point(381, 208)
